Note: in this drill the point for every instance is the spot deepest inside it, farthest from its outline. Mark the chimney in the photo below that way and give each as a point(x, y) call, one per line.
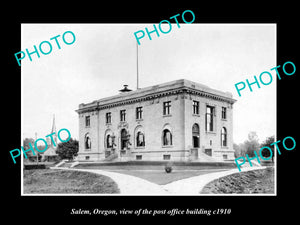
point(125, 89)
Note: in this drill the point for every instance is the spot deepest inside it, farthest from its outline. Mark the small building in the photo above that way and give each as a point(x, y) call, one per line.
point(50, 154)
point(179, 121)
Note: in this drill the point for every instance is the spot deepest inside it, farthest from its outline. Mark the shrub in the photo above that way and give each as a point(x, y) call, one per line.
point(168, 167)
point(68, 150)
point(34, 166)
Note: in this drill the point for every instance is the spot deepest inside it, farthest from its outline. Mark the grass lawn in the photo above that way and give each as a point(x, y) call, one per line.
point(257, 181)
point(47, 181)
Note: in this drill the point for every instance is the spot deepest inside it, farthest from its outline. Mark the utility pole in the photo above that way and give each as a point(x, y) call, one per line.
point(37, 154)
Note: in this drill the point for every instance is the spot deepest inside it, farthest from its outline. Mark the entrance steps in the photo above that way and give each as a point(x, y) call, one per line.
point(112, 157)
point(202, 157)
point(67, 164)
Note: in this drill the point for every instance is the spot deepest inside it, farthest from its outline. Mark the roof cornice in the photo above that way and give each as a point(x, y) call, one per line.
point(96, 105)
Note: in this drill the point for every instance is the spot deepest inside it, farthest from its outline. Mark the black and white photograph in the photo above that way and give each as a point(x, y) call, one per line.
point(164, 115)
point(142, 113)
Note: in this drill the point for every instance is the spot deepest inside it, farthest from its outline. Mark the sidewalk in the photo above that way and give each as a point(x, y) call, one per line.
point(194, 185)
point(128, 185)
point(131, 185)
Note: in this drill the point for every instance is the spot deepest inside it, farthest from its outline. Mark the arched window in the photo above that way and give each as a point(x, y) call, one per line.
point(167, 137)
point(223, 137)
point(139, 136)
point(124, 139)
point(196, 135)
point(87, 141)
point(108, 141)
point(140, 139)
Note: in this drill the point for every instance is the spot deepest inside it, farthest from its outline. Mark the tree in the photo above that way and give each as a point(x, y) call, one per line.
point(265, 152)
point(251, 144)
point(68, 150)
point(238, 150)
point(252, 136)
point(26, 142)
point(29, 154)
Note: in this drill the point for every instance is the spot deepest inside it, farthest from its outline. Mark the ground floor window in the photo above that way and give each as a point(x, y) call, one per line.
point(140, 139)
point(196, 136)
point(208, 151)
point(124, 139)
point(108, 141)
point(138, 157)
point(167, 137)
point(87, 141)
point(166, 157)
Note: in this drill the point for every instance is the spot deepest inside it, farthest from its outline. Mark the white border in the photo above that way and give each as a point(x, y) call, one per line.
point(199, 195)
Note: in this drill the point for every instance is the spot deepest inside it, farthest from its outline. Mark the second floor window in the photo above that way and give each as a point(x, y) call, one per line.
point(123, 115)
point(108, 117)
point(139, 113)
point(223, 112)
point(209, 118)
point(196, 107)
point(87, 121)
point(167, 108)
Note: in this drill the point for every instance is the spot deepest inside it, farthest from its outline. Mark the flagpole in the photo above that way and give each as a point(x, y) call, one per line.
point(137, 66)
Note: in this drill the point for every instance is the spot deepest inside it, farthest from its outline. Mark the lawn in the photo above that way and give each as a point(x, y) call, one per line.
point(251, 182)
point(47, 181)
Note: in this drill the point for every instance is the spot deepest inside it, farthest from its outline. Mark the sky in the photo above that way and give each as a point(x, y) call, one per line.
point(104, 57)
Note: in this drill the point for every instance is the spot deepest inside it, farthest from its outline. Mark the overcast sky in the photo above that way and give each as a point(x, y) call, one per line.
point(103, 58)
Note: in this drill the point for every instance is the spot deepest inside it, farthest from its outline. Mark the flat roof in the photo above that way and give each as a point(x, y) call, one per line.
point(168, 86)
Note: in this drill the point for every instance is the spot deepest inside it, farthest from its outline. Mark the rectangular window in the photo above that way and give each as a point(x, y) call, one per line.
point(225, 157)
point(166, 157)
point(224, 113)
point(167, 108)
point(87, 121)
point(87, 158)
point(209, 118)
point(123, 115)
point(138, 157)
point(208, 151)
point(139, 113)
point(196, 107)
point(108, 117)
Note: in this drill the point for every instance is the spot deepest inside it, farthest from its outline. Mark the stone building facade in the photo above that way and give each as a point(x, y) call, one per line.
point(179, 121)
